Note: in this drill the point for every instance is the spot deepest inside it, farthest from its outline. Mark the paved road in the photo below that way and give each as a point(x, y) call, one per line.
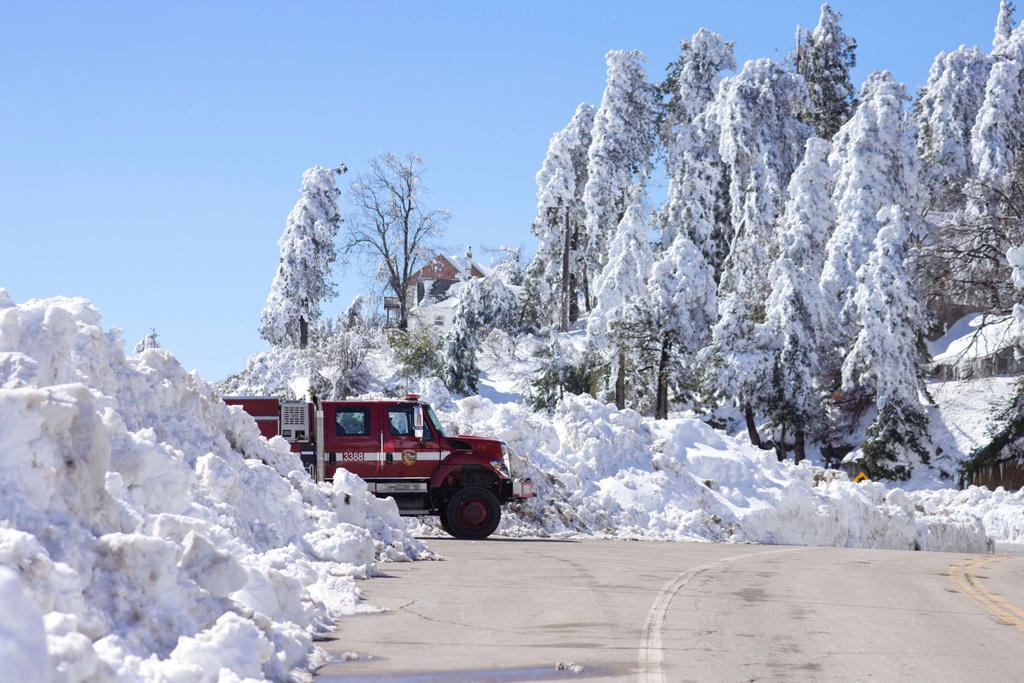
point(514, 610)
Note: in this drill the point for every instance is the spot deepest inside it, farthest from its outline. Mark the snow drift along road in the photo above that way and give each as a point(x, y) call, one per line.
point(148, 532)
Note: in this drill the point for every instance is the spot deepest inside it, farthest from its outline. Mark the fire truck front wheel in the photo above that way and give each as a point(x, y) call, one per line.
point(473, 513)
point(443, 517)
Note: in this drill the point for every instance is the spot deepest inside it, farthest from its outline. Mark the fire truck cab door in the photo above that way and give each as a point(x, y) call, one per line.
point(404, 454)
point(352, 438)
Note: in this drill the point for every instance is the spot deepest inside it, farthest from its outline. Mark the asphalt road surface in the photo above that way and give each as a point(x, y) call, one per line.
point(551, 610)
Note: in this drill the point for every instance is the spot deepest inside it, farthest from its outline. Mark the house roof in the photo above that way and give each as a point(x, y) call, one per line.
point(976, 336)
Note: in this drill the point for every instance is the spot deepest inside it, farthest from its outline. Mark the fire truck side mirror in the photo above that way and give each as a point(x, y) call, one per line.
point(417, 421)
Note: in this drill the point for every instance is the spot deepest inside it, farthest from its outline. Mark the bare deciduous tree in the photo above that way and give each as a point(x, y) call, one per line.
point(392, 224)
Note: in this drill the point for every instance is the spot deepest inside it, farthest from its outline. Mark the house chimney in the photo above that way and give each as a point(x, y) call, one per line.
point(469, 252)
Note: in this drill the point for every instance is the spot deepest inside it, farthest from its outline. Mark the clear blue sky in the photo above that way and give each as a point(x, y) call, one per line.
point(150, 152)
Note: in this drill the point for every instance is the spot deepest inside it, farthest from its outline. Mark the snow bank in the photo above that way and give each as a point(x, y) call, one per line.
point(608, 473)
point(147, 531)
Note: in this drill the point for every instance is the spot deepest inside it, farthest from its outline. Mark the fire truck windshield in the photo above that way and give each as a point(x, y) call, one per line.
point(435, 421)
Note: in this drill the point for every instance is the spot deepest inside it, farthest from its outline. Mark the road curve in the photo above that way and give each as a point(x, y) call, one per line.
point(537, 610)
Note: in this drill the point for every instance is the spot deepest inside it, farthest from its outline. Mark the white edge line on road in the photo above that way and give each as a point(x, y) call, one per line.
point(651, 659)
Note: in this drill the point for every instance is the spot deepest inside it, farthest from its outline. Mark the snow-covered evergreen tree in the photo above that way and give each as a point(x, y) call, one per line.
point(976, 238)
point(303, 279)
point(619, 158)
point(620, 317)
point(797, 321)
point(147, 342)
point(888, 352)
point(762, 142)
point(998, 133)
point(945, 112)
point(484, 304)
point(824, 58)
point(876, 165)
point(960, 255)
point(559, 224)
point(683, 309)
point(697, 203)
point(1004, 27)
point(736, 370)
point(564, 369)
point(692, 81)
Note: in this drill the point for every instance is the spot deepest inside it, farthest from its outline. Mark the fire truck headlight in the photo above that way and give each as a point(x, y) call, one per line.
point(504, 450)
point(501, 467)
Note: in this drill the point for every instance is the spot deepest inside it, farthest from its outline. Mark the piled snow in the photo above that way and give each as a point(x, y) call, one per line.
point(603, 472)
point(148, 532)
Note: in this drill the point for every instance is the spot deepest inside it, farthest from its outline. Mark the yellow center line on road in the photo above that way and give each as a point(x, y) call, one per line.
point(964, 577)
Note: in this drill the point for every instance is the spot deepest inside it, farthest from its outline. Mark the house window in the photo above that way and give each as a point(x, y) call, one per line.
point(439, 320)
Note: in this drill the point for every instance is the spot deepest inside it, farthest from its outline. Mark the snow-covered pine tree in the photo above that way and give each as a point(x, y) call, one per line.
point(484, 304)
point(303, 278)
point(692, 81)
point(888, 352)
point(683, 309)
point(875, 164)
point(735, 369)
point(697, 201)
point(990, 221)
point(620, 321)
point(824, 58)
point(559, 224)
point(762, 142)
point(1004, 27)
point(945, 112)
point(147, 342)
point(619, 158)
point(797, 321)
point(998, 133)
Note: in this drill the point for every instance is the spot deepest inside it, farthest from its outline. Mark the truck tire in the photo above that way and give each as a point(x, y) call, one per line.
point(473, 513)
point(443, 518)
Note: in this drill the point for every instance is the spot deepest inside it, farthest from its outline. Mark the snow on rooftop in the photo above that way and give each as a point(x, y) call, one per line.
point(976, 336)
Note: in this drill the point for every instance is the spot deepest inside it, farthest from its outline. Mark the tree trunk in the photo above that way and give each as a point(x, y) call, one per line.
point(748, 413)
point(661, 398)
point(574, 304)
point(586, 289)
point(780, 445)
point(798, 445)
point(620, 382)
point(565, 276)
point(303, 333)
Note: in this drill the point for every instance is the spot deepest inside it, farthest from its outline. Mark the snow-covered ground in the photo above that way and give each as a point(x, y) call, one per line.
point(147, 532)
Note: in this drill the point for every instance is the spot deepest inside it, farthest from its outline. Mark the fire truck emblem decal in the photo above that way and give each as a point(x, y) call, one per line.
point(409, 457)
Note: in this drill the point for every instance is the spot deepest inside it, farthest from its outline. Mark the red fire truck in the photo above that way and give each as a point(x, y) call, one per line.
point(399, 448)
